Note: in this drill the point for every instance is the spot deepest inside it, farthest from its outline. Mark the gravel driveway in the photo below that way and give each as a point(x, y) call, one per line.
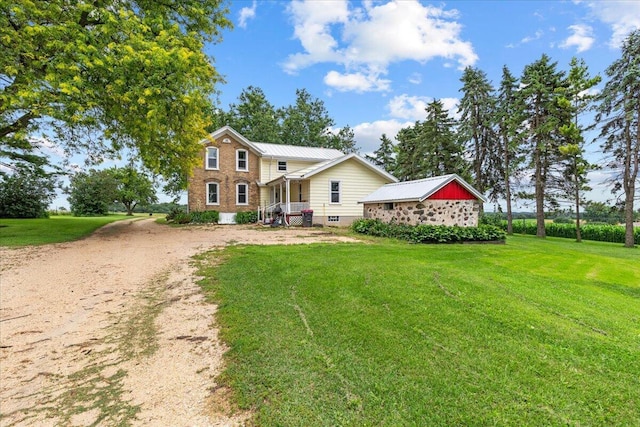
point(113, 330)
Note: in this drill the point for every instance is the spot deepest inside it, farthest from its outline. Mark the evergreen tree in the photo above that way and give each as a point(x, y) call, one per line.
point(619, 117)
point(575, 167)
point(510, 117)
point(409, 154)
point(441, 152)
point(384, 156)
point(477, 130)
point(343, 140)
point(540, 94)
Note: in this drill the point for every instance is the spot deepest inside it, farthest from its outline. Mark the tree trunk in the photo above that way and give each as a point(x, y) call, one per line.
point(539, 189)
point(577, 195)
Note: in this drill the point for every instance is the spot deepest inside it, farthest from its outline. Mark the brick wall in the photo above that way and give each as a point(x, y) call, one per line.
point(463, 213)
point(226, 176)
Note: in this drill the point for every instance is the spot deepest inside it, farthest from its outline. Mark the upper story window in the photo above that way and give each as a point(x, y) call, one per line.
point(212, 193)
point(282, 166)
point(242, 160)
point(334, 191)
point(242, 196)
point(212, 158)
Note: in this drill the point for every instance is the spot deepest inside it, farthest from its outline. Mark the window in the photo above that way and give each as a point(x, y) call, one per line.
point(334, 192)
point(282, 166)
point(242, 194)
point(212, 193)
point(333, 219)
point(242, 160)
point(212, 158)
point(388, 206)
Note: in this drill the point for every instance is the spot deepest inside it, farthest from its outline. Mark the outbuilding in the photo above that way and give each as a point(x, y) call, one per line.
point(440, 200)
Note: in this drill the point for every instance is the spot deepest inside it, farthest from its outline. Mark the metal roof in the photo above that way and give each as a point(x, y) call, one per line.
point(282, 151)
point(419, 190)
point(319, 167)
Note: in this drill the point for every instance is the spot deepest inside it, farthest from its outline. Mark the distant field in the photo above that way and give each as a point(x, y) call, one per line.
point(533, 332)
point(23, 232)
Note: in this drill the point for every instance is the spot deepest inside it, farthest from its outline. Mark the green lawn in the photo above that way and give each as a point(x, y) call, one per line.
point(533, 332)
point(23, 232)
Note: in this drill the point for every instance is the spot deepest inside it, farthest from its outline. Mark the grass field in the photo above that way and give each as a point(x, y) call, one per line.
point(533, 332)
point(23, 232)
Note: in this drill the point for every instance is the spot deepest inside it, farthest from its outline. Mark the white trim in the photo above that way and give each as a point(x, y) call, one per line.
point(217, 202)
point(246, 194)
point(246, 160)
point(331, 202)
point(206, 159)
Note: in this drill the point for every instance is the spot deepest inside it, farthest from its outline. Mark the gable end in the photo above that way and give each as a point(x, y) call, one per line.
point(452, 191)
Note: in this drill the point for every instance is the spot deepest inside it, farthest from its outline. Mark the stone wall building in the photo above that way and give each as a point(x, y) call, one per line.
point(442, 200)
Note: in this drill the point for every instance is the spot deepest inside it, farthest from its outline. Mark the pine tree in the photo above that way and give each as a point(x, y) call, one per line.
point(510, 117)
point(477, 130)
point(542, 84)
point(384, 156)
point(574, 165)
point(618, 115)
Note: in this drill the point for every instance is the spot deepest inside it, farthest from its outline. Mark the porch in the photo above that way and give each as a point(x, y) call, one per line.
point(286, 196)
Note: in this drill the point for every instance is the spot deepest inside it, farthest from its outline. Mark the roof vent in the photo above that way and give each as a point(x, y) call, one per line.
point(226, 141)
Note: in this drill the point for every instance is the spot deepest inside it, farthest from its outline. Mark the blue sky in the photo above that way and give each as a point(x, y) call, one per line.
point(376, 64)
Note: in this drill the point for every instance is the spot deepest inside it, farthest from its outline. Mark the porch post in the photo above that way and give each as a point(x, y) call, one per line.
point(288, 195)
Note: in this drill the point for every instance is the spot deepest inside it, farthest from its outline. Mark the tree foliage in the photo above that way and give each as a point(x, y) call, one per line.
point(619, 117)
point(91, 193)
point(545, 114)
point(97, 77)
point(384, 156)
point(477, 130)
point(133, 188)
point(26, 193)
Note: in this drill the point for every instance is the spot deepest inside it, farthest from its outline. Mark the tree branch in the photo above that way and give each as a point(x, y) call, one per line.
point(19, 124)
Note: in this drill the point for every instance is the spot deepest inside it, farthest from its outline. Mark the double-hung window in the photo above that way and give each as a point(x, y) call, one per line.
point(212, 158)
point(334, 191)
point(213, 195)
point(242, 194)
point(242, 160)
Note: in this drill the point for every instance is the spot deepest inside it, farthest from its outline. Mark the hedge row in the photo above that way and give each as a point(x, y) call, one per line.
point(598, 232)
point(208, 217)
point(428, 233)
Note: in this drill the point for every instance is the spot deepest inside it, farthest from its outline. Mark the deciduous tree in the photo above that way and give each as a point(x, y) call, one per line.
point(91, 193)
point(26, 193)
point(100, 76)
point(133, 188)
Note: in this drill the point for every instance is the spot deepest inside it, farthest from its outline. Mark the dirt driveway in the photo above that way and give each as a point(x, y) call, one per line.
point(113, 330)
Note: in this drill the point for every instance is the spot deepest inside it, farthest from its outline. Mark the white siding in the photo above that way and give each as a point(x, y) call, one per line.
point(356, 182)
point(269, 168)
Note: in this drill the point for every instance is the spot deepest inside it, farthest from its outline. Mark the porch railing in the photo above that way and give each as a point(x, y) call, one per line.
point(295, 208)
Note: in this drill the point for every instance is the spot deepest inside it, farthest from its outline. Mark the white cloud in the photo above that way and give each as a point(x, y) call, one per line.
point(247, 13)
point(368, 134)
point(366, 40)
point(529, 39)
point(582, 38)
point(622, 16)
point(413, 107)
point(47, 146)
point(415, 78)
point(356, 82)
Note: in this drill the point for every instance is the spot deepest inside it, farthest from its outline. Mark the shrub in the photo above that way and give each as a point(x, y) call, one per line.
point(205, 217)
point(25, 194)
point(590, 231)
point(428, 233)
point(246, 217)
point(563, 220)
point(91, 193)
point(182, 218)
point(173, 212)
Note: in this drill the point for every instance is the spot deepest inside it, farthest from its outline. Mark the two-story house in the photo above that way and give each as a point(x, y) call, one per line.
point(238, 175)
